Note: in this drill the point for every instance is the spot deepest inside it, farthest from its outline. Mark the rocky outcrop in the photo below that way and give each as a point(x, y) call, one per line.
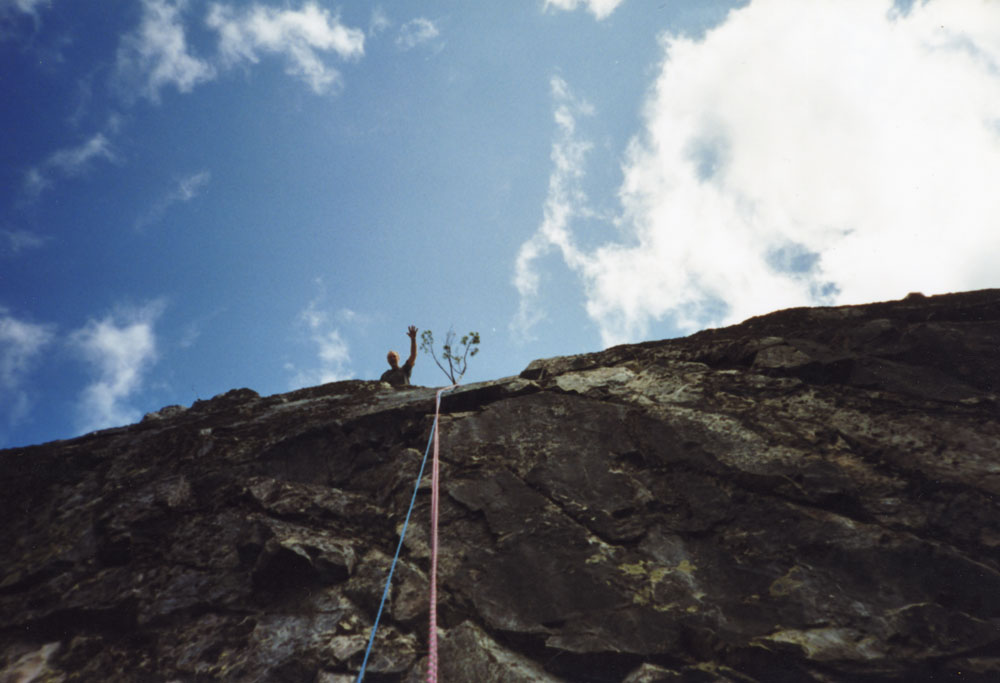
point(808, 496)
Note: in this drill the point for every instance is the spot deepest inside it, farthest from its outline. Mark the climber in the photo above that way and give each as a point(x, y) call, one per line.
point(400, 376)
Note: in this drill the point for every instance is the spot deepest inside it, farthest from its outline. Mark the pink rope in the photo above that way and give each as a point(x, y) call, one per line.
point(432, 658)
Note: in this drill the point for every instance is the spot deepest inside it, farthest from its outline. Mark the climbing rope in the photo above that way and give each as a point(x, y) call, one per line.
point(432, 639)
point(432, 656)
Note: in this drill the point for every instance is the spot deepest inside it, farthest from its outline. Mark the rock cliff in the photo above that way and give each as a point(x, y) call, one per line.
point(810, 495)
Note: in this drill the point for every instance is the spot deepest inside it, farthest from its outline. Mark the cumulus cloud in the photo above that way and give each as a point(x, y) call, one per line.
point(298, 35)
point(21, 344)
point(156, 54)
point(599, 8)
point(185, 190)
point(120, 349)
point(67, 162)
point(416, 32)
point(798, 154)
point(332, 350)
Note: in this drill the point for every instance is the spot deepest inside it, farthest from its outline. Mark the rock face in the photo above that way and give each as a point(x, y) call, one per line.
point(808, 496)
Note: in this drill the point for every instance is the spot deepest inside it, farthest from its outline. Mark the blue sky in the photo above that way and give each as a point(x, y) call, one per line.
point(199, 196)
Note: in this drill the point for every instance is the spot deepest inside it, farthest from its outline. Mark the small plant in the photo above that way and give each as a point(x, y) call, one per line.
point(456, 356)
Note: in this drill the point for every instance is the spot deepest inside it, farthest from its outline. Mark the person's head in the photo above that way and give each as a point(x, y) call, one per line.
point(393, 359)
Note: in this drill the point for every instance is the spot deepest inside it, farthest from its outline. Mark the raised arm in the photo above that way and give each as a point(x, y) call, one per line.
point(412, 333)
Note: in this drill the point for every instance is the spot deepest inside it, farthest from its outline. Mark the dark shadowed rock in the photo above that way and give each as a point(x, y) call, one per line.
point(810, 495)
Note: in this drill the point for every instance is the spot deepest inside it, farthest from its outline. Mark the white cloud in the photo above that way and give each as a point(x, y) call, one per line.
point(156, 54)
point(800, 153)
point(23, 6)
point(189, 335)
point(120, 349)
point(416, 32)
point(11, 11)
point(21, 343)
point(599, 8)
point(186, 189)
point(379, 22)
point(189, 187)
point(22, 240)
point(332, 350)
point(565, 201)
point(73, 159)
point(67, 162)
point(299, 35)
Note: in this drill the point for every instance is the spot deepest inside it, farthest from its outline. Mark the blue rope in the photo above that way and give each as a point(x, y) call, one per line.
point(402, 535)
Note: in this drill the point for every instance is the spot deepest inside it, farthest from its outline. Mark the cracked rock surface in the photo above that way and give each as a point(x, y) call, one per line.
point(810, 495)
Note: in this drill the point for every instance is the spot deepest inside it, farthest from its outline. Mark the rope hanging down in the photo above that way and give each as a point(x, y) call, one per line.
point(432, 656)
point(432, 638)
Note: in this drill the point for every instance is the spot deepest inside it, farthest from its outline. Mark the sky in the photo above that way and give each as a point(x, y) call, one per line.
point(200, 196)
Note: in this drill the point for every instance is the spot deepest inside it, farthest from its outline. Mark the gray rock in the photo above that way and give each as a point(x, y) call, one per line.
point(810, 495)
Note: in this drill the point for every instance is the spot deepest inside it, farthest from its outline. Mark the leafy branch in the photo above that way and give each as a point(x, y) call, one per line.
point(455, 356)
